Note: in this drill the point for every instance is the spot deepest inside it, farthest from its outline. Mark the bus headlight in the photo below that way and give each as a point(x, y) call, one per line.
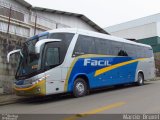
point(37, 80)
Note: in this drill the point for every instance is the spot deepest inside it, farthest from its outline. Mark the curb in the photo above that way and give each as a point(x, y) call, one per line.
point(155, 79)
point(18, 100)
point(10, 99)
point(8, 102)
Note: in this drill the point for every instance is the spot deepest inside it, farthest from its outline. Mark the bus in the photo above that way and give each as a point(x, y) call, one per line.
point(76, 61)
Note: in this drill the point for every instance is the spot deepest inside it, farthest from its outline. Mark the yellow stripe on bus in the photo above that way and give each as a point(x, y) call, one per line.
point(29, 88)
point(103, 70)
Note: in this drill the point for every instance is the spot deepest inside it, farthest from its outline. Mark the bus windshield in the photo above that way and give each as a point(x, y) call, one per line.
point(32, 63)
point(29, 62)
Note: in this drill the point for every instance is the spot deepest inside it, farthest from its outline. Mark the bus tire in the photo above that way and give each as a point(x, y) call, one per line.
point(140, 79)
point(80, 87)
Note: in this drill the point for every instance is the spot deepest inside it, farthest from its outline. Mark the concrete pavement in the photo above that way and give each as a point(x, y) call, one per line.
point(132, 99)
point(6, 99)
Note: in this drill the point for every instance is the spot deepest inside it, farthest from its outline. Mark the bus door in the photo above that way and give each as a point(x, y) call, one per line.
point(52, 70)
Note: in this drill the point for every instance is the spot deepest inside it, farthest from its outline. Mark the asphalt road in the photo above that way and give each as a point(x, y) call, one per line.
point(128, 99)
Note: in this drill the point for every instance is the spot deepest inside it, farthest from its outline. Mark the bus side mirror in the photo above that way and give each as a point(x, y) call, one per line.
point(40, 43)
point(13, 52)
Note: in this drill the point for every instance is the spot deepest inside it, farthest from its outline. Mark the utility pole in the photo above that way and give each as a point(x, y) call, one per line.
point(35, 25)
point(9, 19)
point(56, 25)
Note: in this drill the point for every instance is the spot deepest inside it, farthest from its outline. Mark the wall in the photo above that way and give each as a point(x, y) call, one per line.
point(8, 70)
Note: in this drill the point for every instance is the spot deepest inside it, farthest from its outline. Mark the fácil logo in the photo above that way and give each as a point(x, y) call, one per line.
point(96, 62)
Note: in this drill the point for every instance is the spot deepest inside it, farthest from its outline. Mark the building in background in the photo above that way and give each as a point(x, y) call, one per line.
point(145, 30)
point(20, 20)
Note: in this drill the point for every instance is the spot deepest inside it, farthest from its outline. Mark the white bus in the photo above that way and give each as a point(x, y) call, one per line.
point(74, 60)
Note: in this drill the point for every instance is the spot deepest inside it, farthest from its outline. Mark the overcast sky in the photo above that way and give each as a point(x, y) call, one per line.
point(104, 12)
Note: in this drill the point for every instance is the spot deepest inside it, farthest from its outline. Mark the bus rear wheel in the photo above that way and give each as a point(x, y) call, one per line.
point(80, 87)
point(140, 79)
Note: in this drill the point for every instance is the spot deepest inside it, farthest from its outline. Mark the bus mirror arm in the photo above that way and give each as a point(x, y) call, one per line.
point(42, 42)
point(13, 52)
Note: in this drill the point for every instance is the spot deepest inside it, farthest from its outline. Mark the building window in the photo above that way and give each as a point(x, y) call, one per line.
point(14, 14)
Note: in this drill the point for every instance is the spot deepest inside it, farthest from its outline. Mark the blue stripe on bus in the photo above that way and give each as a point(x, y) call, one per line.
point(39, 35)
point(123, 74)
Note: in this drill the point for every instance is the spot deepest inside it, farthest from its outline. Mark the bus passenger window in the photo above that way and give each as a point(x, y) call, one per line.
point(84, 45)
point(102, 46)
point(52, 57)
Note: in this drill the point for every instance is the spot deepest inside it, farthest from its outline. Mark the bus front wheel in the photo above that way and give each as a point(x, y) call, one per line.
point(80, 87)
point(140, 79)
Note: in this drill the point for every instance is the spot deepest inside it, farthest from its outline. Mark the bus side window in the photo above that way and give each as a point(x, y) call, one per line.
point(149, 52)
point(84, 45)
point(117, 49)
point(51, 55)
point(65, 37)
point(102, 46)
point(140, 52)
point(131, 50)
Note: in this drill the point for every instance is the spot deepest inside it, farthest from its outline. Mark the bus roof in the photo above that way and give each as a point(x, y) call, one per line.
point(96, 34)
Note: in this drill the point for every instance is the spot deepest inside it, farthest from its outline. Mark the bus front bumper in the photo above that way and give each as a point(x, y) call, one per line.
point(37, 89)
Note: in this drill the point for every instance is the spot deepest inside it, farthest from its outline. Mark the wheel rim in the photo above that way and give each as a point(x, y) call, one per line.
point(140, 79)
point(80, 88)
